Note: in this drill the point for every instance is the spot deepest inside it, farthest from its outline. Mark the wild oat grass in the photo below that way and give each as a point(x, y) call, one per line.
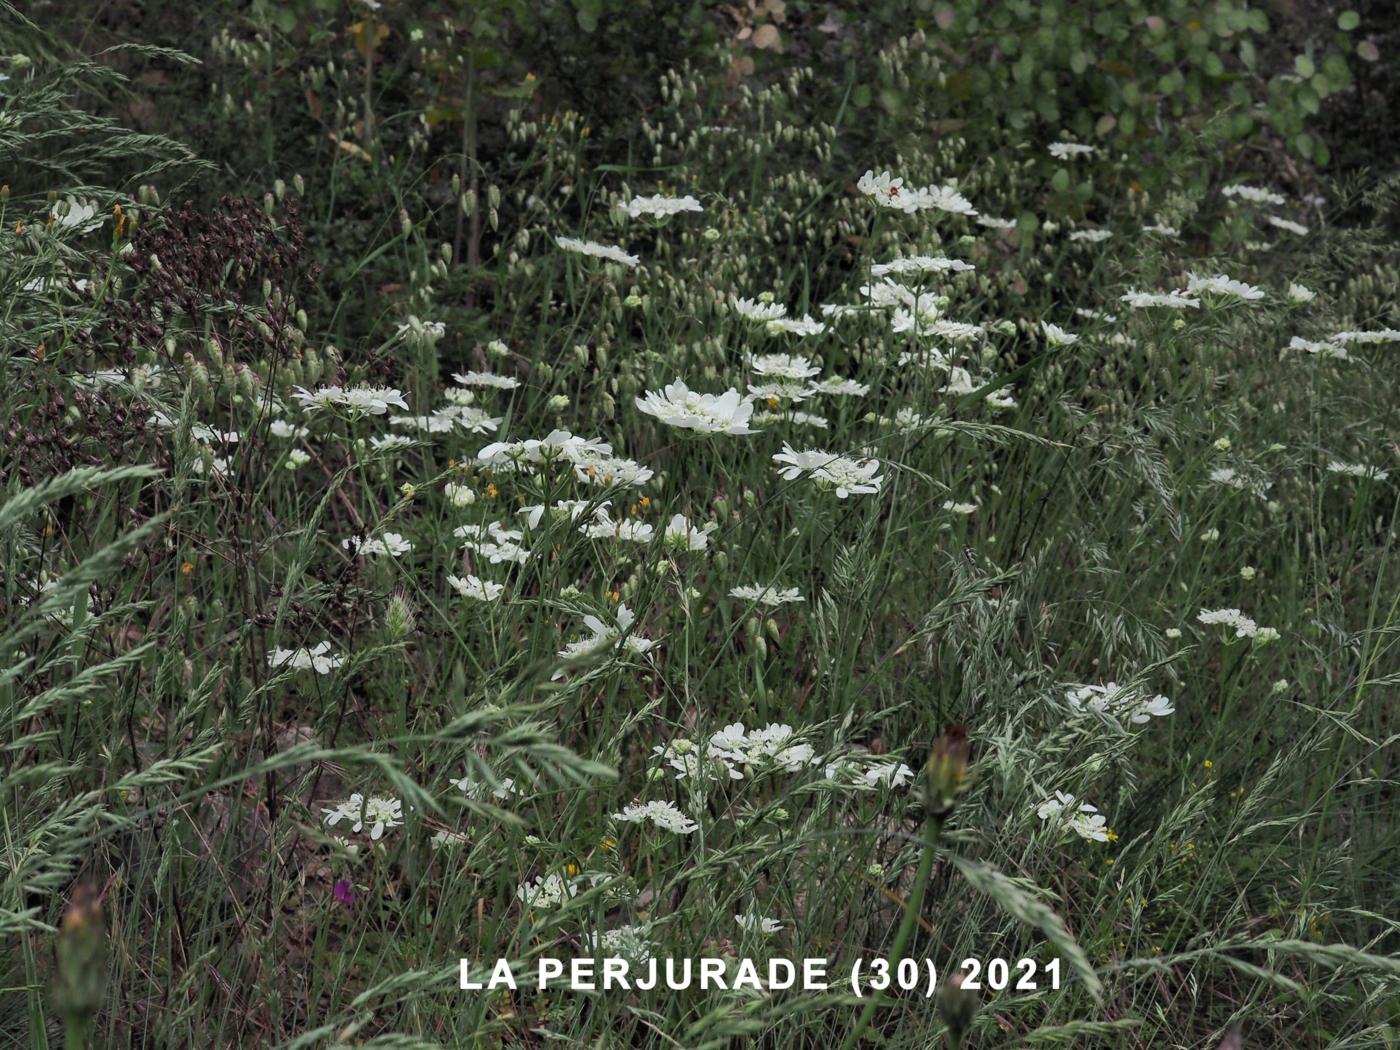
point(636, 599)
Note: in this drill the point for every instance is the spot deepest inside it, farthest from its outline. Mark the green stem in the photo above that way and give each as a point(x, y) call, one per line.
point(911, 914)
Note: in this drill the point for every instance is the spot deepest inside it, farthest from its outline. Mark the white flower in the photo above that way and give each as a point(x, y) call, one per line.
point(282, 429)
point(942, 198)
point(920, 264)
point(607, 529)
point(661, 206)
point(663, 814)
point(603, 635)
point(839, 310)
point(297, 457)
point(1090, 236)
point(784, 366)
point(76, 215)
point(799, 326)
point(1057, 336)
point(477, 790)
point(679, 534)
point(1117, 701)
point(1082, 818)
point(758, 923)
point(1253, 194)
point(1287, 224)
point(1232, 478)
point(773, 419)
point(212, 436)
point(599, 251)
point(1385, 335)
point(955, 331)
point(889, 192)
point(390, 543)
point(1244, 626)
point(1065, 150)
point(959, 508)
point(378, 813)
point(386, 442)
point(1357, 470)
point(1322, 349)
point(624, 942)
point(835, 386)
point(450, 418)
point(573, 509)
point(376, 400)
point(547, 891)
point(883, 187)
point(847, 476)
point(609, 470)
point(679, 406)
point(866, 775)
point(1299, 293)
point(316, 658)
point(753, 310)
point(1162, 230)
point(472, 587)
point(485, 379)
point(1222, 285)
point(930, 358)
point(996, 224)
point(689, 761)
point(1141, 300)
point(459, 495)
point(557, 446)
point(769, 596)
point(219, 466)
point(493, 541)
point(425, 333)
point(780, 390)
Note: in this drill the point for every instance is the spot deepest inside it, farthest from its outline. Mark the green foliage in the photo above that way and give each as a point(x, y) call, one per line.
point(1129, 74)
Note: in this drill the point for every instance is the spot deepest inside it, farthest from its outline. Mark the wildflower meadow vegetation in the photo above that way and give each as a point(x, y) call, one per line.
point(485, 481)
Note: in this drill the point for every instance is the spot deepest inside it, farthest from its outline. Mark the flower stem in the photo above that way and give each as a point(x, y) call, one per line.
point(932, 830)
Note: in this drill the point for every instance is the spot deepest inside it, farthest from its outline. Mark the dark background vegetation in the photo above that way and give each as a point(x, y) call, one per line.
point(1294, 91)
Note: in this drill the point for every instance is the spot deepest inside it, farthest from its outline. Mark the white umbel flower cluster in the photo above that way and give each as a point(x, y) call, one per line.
point(661, 207)
point(890, 192)
point(356, 400)
point(665, 815)
point(1121, 703)
point(608, 252)
point(1243, 626)
point(1080, 817)
point(678, 406)
point(318, 658)
point(847, 476)
point(378, 814)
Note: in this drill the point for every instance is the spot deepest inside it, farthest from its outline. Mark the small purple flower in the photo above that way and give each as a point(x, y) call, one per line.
point(343, 892)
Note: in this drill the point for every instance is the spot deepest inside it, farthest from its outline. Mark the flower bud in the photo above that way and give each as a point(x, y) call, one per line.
point(957, 1006)
point(946, 772)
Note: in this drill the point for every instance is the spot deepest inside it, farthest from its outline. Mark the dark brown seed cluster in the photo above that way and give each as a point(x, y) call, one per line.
point(85, 428)
point(204, 272)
